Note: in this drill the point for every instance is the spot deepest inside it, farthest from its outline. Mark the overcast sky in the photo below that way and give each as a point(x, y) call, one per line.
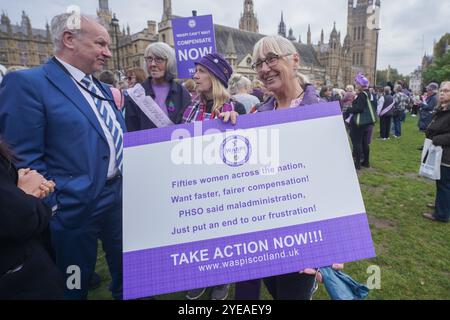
point(408, 26)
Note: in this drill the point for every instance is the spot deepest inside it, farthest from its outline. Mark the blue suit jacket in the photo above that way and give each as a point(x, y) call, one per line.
point(53, 129)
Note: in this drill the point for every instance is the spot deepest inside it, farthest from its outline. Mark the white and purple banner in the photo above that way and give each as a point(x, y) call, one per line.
point(193, 38)
point(209, 203)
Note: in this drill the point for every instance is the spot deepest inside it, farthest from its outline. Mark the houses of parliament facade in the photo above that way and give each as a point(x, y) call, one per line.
point(333, 62)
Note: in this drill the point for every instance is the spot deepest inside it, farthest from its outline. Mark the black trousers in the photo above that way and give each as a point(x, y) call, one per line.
point(385, 126)
point(290, 286)
point(360, 142)
point(442, 211)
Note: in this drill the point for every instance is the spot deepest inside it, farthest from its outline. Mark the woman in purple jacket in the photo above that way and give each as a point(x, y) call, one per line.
point(277, 63)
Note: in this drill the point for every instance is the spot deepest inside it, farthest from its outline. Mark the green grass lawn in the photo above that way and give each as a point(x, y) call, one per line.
point(413, 253)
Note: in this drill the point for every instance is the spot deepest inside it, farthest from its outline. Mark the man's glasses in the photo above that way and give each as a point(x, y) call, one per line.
point(271, 60)
point(156, 60)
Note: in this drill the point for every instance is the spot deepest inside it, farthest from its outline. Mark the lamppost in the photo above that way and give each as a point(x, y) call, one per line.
point(376, 55)
point(115, 25)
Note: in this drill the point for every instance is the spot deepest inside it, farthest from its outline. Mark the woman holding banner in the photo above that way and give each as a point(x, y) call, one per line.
point(166, 98)
point(214, 101)
point(277, 63)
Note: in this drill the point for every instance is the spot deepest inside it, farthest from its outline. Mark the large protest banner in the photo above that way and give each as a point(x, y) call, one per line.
point(209, 203)
point(193, 38)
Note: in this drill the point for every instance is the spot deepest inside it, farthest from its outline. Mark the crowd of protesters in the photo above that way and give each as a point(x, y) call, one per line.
point(69, 185)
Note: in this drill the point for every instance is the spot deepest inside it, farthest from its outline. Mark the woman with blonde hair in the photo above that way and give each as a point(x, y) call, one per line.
point(134, 76)
point(211, 82)
point(214, 101)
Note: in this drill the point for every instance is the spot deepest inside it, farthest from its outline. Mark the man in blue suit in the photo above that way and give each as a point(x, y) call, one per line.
point(63, 122)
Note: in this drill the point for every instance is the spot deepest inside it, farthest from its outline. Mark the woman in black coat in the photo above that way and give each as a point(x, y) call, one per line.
point(360, 135)
point(26, 269)
point(170, 96)
point(439, 132)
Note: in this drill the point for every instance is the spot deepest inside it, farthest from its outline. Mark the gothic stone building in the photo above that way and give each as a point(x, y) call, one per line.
point(334, 63)
point(22, 45)
point(357, 53)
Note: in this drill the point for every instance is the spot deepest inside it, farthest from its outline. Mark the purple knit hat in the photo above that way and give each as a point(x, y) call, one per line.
point(361, 80)
point(218, 66)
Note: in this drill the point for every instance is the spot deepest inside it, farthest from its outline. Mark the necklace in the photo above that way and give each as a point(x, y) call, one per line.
point(293, 102)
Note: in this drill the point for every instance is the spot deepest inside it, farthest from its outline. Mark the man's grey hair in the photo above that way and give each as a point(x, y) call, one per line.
point(164, 51)
point(238, 83)
point(387, 90)
point(68, 22)
point(244, 83)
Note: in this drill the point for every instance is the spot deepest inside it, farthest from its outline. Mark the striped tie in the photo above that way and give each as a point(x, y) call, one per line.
point(113, 126)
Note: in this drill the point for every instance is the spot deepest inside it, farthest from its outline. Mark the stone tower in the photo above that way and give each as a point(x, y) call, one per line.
point(308, 40)
point(167, 10)
point(282, 27)
point(230, 52)
point(165, 26)
point(104, 13)
point(26, 24)
point(291, 35)
point(249, 21)
point(363, 34)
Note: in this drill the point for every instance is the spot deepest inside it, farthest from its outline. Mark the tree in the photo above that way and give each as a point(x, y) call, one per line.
point(439, 71)
point(390, 74)
point(441, 46)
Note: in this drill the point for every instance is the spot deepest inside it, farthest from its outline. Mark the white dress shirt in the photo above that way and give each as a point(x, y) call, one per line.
point(78, 75)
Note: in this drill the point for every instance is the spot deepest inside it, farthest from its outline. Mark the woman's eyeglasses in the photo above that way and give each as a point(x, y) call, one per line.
point(156, 60)
point(271, 60)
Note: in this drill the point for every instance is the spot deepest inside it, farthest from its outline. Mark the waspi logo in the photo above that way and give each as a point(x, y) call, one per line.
point(235, 151)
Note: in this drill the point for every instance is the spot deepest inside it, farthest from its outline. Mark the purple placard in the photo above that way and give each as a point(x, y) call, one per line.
point(193, 38)
point(255, 120)
point(152, 271)
point(255, 255)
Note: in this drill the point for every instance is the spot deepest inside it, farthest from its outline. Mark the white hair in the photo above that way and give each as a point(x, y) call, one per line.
point(280, 46)
point(387, 90)
point(163, 50)
point(238, 83)
point(68, 22)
